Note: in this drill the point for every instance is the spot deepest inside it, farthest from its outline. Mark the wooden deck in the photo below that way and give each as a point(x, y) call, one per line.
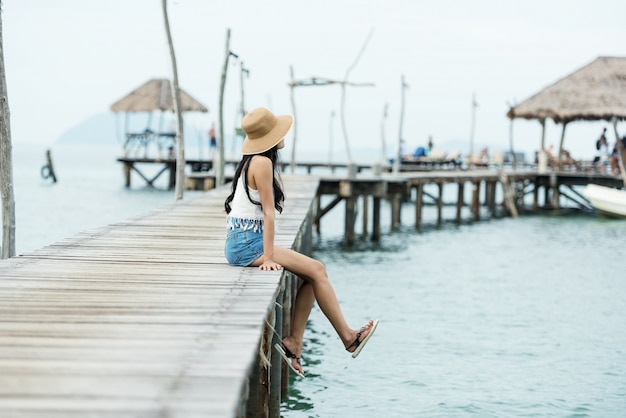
point(142, 318)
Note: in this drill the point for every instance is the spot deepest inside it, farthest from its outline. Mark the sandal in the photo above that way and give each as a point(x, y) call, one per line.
point(287, 355)
point(360, 344)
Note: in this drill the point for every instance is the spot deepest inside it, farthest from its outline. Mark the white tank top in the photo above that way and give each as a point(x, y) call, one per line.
point(244, 214)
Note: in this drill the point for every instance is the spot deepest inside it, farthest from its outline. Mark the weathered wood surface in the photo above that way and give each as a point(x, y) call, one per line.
point(142, 318)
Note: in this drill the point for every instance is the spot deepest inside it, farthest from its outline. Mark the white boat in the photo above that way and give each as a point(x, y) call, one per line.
point(607, 201)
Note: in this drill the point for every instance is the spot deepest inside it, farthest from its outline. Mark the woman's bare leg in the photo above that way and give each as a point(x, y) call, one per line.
point(302, 309)
point(314, 272)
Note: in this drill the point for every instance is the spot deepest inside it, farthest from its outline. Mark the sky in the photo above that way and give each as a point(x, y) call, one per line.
point(69, 60)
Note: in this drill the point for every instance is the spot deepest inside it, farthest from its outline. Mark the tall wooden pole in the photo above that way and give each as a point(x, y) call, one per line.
point(559, 164)
point(242, 108)
point(180, 141)
point(294, 128)
point(383, 149)
point(331, 138)
point(219, 173)
point(396, 166)
point(6, 163)
point(472, 130)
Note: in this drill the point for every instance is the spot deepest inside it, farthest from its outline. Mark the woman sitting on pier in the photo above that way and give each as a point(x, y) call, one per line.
point(256, 196)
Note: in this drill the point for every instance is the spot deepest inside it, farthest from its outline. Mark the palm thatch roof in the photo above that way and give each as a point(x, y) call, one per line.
point(156, 94)
point(597, 91)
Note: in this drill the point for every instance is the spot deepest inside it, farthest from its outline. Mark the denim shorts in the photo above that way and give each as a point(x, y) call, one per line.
point(243, 247)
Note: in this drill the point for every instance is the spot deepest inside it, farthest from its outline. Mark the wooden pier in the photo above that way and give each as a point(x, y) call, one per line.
point(402, 188)
point(145, 317)
point(201, 174)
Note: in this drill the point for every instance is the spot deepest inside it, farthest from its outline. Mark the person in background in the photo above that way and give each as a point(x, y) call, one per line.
point(614, 159)
point(251, 208)
point(603, 154)
point(429, 148)
point(212, 142)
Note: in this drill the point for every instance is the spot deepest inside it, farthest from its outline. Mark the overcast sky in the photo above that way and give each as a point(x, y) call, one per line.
point(68, 60)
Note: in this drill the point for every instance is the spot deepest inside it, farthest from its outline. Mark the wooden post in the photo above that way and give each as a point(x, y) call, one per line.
point(48, 169)
point(127, 170)
point(318, 204)
point(536, 195)
point(395, 211)
point(294, 127)
point(289, 295)
point(546, 196)
point(275, 372)
point(376, 219)
point(219, 170)
point(173, 174)
point(440, 204)
point(560, 162)
point(509, 198)
point(398, 160)
point(476, 200)
point(6, 164)
point(365, 214)
point(350, 218)
point(419, 204)
point(554, 185)
point(254, 403)
point(490, 197)
point(459, 200)
point(180, 142)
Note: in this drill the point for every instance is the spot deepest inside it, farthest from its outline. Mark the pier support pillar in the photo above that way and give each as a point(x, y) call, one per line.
point(490, 196)
point(459, 200)
point(127, 170)
point(554, 185)
point(440, 204)
point(376, 219)
point(396, 206)
point(350, 219)
point(419, 204)
point(476, 200)
point(365, 215)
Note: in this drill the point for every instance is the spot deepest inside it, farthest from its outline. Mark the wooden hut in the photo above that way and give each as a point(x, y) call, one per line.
point(594, 92)
point(154, 95)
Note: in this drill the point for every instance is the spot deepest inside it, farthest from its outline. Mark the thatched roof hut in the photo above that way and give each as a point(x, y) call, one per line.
point(156, 94)
point(597, 91)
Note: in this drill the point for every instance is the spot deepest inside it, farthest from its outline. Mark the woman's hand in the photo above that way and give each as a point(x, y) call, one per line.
point(270, 265)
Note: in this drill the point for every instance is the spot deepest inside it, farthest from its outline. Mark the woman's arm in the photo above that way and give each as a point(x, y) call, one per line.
point(262, 173)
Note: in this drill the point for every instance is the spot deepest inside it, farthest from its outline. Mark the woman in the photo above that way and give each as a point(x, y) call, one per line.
point(256, 196)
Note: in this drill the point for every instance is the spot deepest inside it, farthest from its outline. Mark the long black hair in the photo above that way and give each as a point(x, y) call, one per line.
point(242, 171)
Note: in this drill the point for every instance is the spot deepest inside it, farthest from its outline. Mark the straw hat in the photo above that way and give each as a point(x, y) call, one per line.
point(263, 130)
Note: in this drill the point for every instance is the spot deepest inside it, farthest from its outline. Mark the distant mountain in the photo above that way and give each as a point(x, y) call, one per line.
point(109, 129)
point(98, 129)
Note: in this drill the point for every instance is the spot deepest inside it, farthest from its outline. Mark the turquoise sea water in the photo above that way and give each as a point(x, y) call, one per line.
point(497, 318)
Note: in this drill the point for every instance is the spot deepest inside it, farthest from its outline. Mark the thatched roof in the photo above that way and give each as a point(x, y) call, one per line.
point(597, 91)
point(156, 94)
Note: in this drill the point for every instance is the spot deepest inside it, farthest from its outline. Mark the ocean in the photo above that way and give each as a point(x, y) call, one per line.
point(500, 317)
